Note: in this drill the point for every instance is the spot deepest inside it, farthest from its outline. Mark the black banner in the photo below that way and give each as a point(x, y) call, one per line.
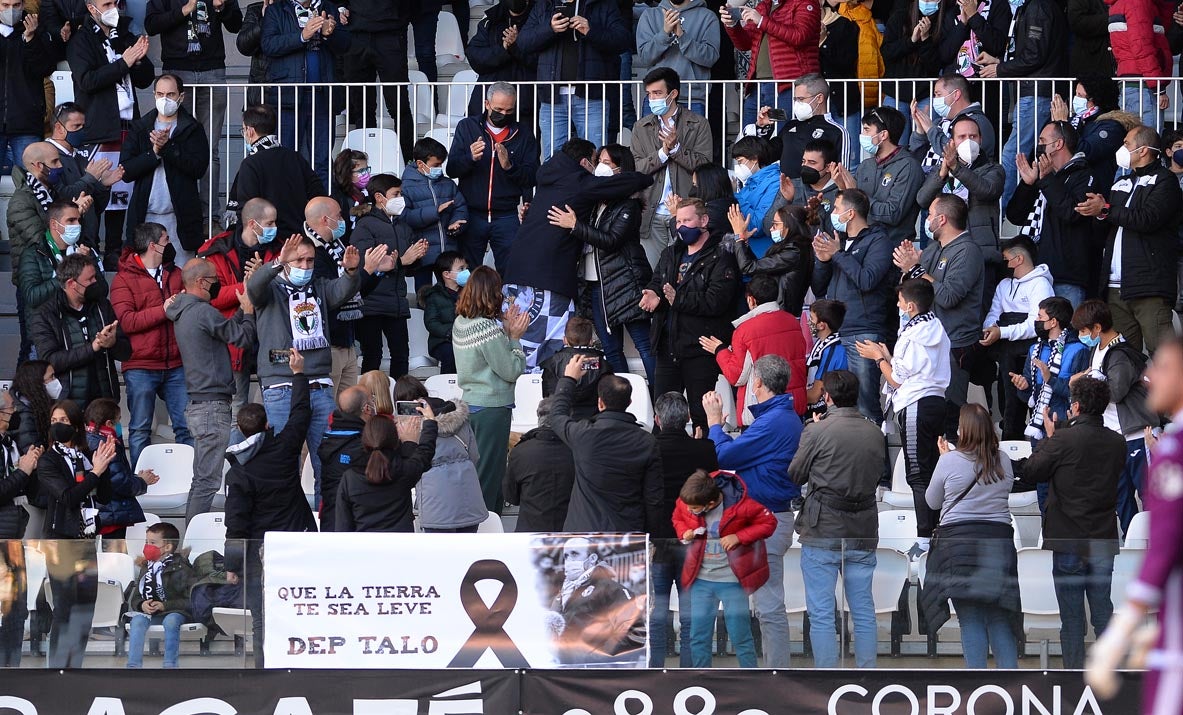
point(258, 692)
point(819, 692)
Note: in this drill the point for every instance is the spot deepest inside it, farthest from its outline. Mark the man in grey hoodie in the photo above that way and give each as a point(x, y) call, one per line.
point(684, 36)
point(889, 176)
point(294, 313)
point(202, 334)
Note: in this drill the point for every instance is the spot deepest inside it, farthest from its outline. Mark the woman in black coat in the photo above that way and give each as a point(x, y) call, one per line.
point(789, 260)
point(614, 268)
point(34, 388)
point(377, 496)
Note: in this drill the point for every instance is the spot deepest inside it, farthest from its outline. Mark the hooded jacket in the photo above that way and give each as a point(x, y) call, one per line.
point(935, 138)
point(597, 53)
point(1122, 367)
point(544, 257)
point(202, 334)
point(983, 180)
point(26, 65)
point(185, 159)
point(340, 450)
point(1083, 462)
point(37, 271)
point(615, 238)
point(55, 333)
point(743, 517)
point(178, 578)
point(586, 399)
point(27, 221)
point(892, 187)
point(1069, 244)
point(1144, 215)
point(122, 509)
point(226, 253)
point(439, 313)
point(386, 507)
point(959, 275)
point(96, 78)
point(263, 485)
point(762, 453)
point(269, 291)
point(139, 305)
point(422, 215)
point(840, 457)
point(449, 492)
point(755, 197)
point(792, 29)
point(617, 468)
point(388, 298)
point(539, 478)
point(1100, 137)
point(165, 18)
point(1138, 37)
point(691, 55)
point(765, 330)
point(860, 277)
point(703, 302)
point(921, 363)
point(14, 483)
point(485, 187)
point(1015, 297)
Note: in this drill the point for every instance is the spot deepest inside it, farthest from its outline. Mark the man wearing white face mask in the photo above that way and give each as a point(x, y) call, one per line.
point(1142, 215)
point(970, 173)
point(166, 154)
point(38, 263)
point(950, 103)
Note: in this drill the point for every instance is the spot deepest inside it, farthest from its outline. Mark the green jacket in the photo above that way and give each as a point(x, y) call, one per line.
point(36, 273)
point(27, 221)
point(488, 363)
point(439, 313)
point(178, 582)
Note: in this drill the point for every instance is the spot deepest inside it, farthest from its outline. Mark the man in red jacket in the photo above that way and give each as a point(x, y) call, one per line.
point(782, 36)
point(233, 254)
point(764, 330)
point(146, 281)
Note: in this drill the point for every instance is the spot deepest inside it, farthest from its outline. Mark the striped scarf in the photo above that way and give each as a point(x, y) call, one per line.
point(1039, 403)
point(40, 191)
point(351, 309)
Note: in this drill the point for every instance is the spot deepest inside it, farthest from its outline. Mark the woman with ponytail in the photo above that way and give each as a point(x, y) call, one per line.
point(376, 496)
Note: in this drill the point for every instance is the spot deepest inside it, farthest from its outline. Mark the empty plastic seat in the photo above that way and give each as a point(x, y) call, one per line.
point(897, 530)
point(526, 396)
point(1041, 610)
point(205, 532)
point(444, 387)
point(491, 525)
point(381, 145)
point(173, 463)
point(1138, 535)
point(641, 406)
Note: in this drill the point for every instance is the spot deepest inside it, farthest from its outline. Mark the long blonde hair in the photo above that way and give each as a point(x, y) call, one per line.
point(377, 383)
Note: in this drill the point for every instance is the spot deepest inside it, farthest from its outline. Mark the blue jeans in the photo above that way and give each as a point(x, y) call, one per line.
point(143, 387)
point(1130, 482)
point(766, 96)
point(1077, 578)
point(138, 631)
point(12, 150)
point(277, 401)
point(554, 122)
point(1028, 116)
point(705, 597)
point(665, 574)
point(1137, 100)
point(613, 342)
point(1074, 294)
point(986, 628)
point(819, 571)
point(481, 232)
point(868, 374)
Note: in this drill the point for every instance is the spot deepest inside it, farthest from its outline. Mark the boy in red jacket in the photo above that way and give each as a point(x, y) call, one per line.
point(725, 560)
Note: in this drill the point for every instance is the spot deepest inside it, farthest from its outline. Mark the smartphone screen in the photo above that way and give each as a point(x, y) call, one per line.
point(406, 408)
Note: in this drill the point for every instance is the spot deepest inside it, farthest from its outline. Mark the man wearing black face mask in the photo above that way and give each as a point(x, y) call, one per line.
point(816, 190)
point(76, 331)
point(495, 158)
point(94, 177)
point(493, 53)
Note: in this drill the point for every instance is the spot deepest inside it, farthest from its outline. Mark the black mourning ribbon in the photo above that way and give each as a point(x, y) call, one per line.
point(489, 621)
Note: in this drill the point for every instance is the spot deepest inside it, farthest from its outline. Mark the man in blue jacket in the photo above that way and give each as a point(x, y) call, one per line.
point(495, 159)
point(578, 43)
point(761, 456)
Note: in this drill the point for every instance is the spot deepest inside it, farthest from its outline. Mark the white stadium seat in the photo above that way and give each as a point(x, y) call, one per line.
point(173, 463)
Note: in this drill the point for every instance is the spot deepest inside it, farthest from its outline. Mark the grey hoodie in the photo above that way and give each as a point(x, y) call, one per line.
point(892, 188)
point(692, 55)
point(958, 272)
point(202, 335)
point(269, 290)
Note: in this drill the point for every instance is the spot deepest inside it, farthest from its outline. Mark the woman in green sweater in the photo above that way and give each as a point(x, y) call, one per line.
point(489, 360)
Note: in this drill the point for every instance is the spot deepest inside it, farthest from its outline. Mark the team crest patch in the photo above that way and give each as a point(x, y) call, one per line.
point(941, 265)
point(886, 179)
point(817, 133)
point(307, 319)
point(1104, 133)
point(587, 591)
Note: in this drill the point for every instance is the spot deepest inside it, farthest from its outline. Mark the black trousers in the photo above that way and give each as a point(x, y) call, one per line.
point(370, 331)
point(920, 426)
point(73, 581)
point(694, 375)
point(383, 54)
point(1010, 356)
point(253, 578)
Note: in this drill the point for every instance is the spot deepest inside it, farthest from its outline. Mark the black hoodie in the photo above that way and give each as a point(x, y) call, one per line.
point(339, 451)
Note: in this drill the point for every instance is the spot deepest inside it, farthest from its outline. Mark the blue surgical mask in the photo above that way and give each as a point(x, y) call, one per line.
point(868, 144)
point(71, 234)
point(299, 277)
point(904, 317)
point(1089, 341)
point(268, 234)
point(929, 8)
point(839, 225)
point(435, 172)
point(659, 106)
point(462, 277)
point(119, 431)
point(777, 236)
point(1080, 105)
point(1015, 5)
point(340, 230)
point(940, 106)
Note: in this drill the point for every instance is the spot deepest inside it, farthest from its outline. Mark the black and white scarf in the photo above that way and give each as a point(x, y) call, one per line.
point(351, 309)
point(268, 142)
point(888, 390)
point(303, 15)
point(199, 27)
point(1033, 229)
point(307, 319)
point(40, 191)
point(124, 85)
point(1038, 403)
point(152, 582)
point(933, 159)
point(814, 359)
